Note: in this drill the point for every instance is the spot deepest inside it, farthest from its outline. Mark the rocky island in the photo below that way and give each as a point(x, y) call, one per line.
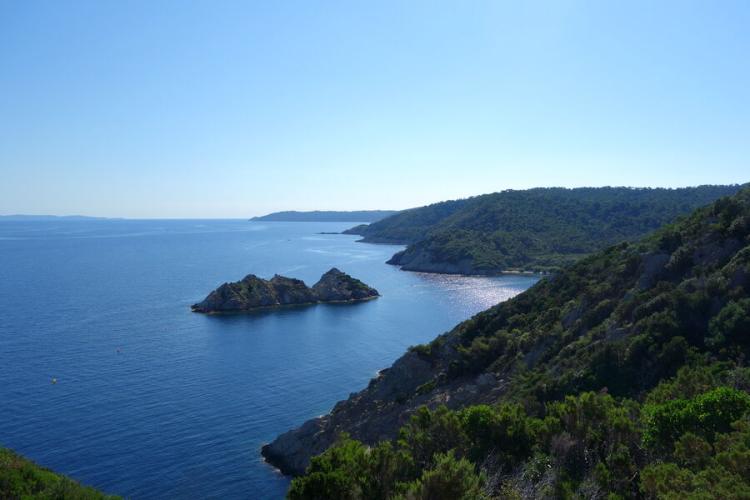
point(253, 293)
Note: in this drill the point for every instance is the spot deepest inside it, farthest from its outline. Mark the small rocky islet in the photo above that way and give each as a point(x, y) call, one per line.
point(254, 293)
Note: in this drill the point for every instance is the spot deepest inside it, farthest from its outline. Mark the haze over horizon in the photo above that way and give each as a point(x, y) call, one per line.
point(282, 210)
point(228, 109)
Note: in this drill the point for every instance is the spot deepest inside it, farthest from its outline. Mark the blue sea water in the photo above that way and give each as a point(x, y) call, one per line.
point(153, 401)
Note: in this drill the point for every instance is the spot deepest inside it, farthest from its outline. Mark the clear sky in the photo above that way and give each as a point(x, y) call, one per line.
point(232, 109)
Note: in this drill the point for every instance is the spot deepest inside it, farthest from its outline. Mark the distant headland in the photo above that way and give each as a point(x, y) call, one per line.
point(253, 293)
point(327, 216)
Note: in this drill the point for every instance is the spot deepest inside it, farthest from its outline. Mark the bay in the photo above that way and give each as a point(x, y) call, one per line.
point(153, 401)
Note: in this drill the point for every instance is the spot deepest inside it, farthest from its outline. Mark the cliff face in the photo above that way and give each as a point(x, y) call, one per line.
point(253, 293)
point(620, 320)
point(377, 412)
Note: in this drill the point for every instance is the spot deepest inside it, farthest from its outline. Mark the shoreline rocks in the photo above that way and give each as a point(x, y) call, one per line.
point(377, 412)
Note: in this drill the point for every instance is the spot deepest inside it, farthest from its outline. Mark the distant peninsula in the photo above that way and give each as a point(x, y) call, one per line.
point(326, 216)
point(253, 293)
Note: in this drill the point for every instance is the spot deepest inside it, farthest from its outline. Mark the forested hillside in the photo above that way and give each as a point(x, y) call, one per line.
point(622, 376)
point(410, 226)
point(534, 230)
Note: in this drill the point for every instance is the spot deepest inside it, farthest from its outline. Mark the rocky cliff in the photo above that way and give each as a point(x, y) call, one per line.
point(377, 412)
point(253, 293)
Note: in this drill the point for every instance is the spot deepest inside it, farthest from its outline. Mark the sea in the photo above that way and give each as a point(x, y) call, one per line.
point(108, 377)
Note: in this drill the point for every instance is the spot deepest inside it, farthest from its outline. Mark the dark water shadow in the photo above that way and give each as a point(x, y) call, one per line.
point(283, 311)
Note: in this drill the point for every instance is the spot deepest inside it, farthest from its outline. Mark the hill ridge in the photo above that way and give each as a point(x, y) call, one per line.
point(539, 229)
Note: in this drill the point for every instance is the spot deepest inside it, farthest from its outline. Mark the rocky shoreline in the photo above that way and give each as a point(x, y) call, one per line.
point(422, 262)
point(377, 412)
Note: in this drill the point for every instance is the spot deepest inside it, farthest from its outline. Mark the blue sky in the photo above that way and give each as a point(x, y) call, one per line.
point(232, 109)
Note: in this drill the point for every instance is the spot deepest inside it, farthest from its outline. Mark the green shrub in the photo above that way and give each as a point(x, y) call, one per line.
point(505, 428)
point(704, 415)
point(23, 479)
point(449, 479)
point(731, 325)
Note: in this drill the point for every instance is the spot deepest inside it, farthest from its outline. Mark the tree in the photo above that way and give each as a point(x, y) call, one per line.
point(449, 479)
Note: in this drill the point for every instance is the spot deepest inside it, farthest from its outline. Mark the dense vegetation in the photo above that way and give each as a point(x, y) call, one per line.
point(536, 229)
point(623, 377)
point(21, 478)
point(410, 226)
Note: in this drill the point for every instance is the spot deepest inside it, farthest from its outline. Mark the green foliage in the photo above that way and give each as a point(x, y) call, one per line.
point(350, 470)
point(704, 415)
point(21, 478)
point(332, 474)
point(421, 466)
point(692, 451)
point(430, 432)
point(448, 479)
point(506, 429)
point(588, 442)
point(623, 319)
point(703, 471)
point(622, 376)
point(731, 325)
point(536, 229)
point(689, 382)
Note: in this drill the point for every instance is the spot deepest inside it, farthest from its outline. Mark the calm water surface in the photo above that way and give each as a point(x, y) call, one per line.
point(153, 401)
